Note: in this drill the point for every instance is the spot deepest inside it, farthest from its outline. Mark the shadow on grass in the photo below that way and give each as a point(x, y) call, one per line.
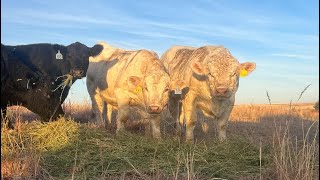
point(96, 153)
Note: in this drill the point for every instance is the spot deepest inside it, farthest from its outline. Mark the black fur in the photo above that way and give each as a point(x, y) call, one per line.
point(29, 73)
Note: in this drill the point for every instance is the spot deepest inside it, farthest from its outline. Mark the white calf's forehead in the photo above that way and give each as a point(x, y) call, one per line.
point(226, 65)
point(221, 60)
point(157, 80)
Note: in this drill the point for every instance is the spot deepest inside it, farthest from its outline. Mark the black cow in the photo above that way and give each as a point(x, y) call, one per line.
point(31, 75)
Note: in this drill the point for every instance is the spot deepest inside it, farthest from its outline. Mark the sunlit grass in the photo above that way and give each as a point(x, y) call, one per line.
point(271, 142)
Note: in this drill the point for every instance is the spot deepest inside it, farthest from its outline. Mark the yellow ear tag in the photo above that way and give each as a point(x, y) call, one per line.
point(138, 89)
point(243, 73)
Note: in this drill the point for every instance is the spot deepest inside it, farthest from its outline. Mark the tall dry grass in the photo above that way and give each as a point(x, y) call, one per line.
point(254, 113)
point(19, 160)
point(295, 159)
point(285, 135)
point(22, 147)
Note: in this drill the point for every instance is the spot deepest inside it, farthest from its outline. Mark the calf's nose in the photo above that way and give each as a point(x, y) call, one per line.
point(222, 89)
point(154, 109)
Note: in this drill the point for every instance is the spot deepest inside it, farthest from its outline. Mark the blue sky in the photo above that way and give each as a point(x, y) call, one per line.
point(282, 37)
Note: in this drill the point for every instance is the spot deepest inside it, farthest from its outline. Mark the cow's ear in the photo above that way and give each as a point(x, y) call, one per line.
point(198, 68)
point(247, 67)
point(179, 85)
point(96, 50)
point(134, 81)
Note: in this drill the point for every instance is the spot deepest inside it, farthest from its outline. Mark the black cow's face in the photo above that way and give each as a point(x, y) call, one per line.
point(78, 56)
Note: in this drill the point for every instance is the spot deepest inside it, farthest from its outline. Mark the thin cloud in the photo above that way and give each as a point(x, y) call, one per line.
point(126, 45)
point(252, 16)
point(190, 31)
point(56, 17)
point(284, 41)
point(297, 56)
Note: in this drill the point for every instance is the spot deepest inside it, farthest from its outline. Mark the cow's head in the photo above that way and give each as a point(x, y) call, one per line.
point(78, 56)
point(155, 87)
point(222, 72)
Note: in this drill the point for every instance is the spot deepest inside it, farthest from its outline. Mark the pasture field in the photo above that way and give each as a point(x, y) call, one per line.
point(278, 141)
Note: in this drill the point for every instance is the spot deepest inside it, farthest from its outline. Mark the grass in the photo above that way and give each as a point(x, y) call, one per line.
point(295, 159)
point(81, 152)
point(264, 142)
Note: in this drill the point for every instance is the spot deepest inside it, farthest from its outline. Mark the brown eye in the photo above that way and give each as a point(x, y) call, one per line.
point(166, 90)
point(146, 89)
point(212, 75)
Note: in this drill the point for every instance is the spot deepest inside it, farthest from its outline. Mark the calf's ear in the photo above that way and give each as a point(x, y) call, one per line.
point(96, 50)
point(134, 81)
point(198, 68)
point(248, 67)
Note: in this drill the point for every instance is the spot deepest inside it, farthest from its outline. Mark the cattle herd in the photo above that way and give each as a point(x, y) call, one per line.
point(185, 79)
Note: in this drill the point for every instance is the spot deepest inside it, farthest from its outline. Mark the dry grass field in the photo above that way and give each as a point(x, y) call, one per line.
point(264, 142)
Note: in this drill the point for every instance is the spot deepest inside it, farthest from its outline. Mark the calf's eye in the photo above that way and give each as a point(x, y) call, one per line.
point(212, 75)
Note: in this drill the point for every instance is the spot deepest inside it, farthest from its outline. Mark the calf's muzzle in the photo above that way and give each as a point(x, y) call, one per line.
point(154, 109)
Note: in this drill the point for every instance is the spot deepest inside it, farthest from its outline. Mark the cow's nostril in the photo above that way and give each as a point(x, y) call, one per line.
point(222, 89)
point(154, 108)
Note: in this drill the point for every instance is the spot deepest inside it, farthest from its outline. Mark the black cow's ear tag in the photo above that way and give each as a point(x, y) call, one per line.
point(59, 55)
point(177, 91)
